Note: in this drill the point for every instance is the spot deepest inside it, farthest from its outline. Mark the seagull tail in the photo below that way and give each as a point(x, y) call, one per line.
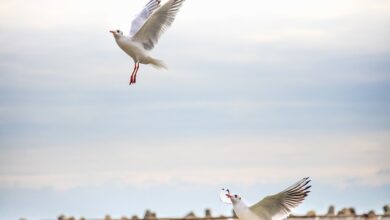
point(159, 64)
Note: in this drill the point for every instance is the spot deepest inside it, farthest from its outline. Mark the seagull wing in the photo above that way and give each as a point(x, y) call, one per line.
point(279, 206)
point(140, 19)
point(157, 23)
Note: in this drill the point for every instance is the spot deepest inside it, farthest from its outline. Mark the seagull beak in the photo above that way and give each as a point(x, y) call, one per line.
point(229, 196)
point(112, 31)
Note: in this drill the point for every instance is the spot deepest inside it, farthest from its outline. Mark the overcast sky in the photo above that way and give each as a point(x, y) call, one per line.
point(257, 95)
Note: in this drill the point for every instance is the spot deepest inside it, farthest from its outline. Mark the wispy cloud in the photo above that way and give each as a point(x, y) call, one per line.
point(257, 93)
point(241, 160)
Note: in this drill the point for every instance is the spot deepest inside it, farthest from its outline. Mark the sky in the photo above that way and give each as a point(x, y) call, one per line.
point(257, 95)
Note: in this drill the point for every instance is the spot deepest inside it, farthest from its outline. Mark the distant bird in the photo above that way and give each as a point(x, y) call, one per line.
point(275, 207)
point(146, 29)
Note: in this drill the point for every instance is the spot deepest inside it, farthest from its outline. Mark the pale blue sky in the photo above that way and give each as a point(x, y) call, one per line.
point(258, 94)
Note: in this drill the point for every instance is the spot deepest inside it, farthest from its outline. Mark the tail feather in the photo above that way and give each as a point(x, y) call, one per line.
point(159, 64)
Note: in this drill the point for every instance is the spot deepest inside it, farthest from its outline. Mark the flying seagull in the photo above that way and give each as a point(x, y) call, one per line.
point(274, 207)
point(146, 29)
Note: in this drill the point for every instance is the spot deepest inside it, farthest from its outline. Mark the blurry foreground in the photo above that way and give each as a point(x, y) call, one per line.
point(344, 214)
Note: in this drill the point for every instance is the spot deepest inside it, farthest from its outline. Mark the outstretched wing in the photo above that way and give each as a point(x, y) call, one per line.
point(279, 206)
point(157, 23)
point(140, 19)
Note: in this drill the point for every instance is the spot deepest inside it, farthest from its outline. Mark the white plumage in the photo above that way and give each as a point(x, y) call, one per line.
point(140, 19)
point(146, 29)
point(274, 207)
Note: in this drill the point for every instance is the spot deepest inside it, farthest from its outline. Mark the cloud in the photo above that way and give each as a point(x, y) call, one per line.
point(264, 46)
point(244, 160)
point(257, 95)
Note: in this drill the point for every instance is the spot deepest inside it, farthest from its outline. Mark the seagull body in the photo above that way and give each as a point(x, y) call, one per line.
point(274, 207)
point(146, 29)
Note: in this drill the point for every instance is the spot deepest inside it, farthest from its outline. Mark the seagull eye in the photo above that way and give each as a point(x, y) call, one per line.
point(235, 196)
point(117, 31)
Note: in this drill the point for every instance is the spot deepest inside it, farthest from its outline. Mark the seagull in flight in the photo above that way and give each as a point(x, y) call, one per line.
point(146, 29)
point(274, 207)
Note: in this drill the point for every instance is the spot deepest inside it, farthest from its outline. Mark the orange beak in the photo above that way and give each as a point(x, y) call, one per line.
point(229, 196)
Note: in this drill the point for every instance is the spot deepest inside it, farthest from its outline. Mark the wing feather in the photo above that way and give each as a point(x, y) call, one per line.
point(140, 19)
point(279, 206)
point(157, 24)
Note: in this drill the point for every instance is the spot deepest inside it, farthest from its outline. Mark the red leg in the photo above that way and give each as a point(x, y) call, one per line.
point(135, 74)
point(132, 74)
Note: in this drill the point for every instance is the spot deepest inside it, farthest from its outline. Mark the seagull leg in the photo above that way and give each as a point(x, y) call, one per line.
point(135, 75)
point(132, 74)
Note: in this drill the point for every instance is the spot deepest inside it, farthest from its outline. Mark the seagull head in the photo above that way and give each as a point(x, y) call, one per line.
point(234, 198)
point(117, 33)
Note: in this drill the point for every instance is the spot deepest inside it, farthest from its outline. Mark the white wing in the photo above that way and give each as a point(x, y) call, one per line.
point(279, 206)
point(140, 19)
point(157, 23)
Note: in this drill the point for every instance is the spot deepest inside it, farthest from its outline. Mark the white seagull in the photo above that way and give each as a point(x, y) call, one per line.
point(146, 29)
point(274, 207)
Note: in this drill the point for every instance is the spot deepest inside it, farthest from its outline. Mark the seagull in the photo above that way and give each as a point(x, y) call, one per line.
point(146, 29)
point(274, 207)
